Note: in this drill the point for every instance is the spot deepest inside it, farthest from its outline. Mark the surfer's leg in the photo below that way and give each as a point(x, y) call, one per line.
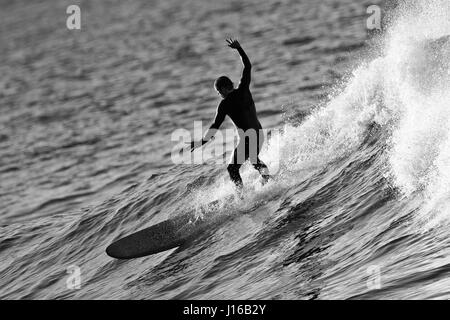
point(233, 171)
point(236, 161)
point(257, 163)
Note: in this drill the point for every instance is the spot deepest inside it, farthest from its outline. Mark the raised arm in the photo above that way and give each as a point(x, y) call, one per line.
point(246, 73)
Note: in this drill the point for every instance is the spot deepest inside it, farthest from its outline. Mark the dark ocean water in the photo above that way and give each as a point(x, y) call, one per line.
point(358, 208)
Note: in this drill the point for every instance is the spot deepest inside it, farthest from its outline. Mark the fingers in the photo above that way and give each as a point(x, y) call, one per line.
point(232, 42)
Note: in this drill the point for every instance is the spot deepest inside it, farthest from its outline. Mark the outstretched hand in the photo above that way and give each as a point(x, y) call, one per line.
point(233, 43)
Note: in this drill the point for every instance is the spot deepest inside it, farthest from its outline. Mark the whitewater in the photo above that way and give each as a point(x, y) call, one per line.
point(359, 207)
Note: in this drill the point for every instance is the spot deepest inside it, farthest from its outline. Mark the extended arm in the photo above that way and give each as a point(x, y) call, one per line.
point(246, 73)
point(218, 119)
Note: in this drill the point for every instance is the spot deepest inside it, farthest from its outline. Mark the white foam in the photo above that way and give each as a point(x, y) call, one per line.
point(417, 90)
point(406, 89)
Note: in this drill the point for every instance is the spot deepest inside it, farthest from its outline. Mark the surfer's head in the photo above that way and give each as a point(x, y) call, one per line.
point(223, 86)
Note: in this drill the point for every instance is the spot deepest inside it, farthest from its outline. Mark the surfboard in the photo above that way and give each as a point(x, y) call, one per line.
point(160, 237)
point(157, 238)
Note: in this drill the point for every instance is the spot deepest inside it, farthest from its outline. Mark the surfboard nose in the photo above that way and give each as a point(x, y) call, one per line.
point(115, 250)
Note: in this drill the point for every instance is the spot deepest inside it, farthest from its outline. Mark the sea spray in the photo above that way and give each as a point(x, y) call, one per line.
point(417, 89)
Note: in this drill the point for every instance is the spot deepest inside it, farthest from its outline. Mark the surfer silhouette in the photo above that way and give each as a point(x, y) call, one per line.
point(238, 104)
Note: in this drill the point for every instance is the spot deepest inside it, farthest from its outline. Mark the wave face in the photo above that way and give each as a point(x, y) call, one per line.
point(359, 207)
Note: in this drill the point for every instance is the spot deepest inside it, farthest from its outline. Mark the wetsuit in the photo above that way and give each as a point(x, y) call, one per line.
point(240, 107)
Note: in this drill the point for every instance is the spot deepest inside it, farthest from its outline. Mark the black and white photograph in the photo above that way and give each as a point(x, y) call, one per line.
point(241, 151)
